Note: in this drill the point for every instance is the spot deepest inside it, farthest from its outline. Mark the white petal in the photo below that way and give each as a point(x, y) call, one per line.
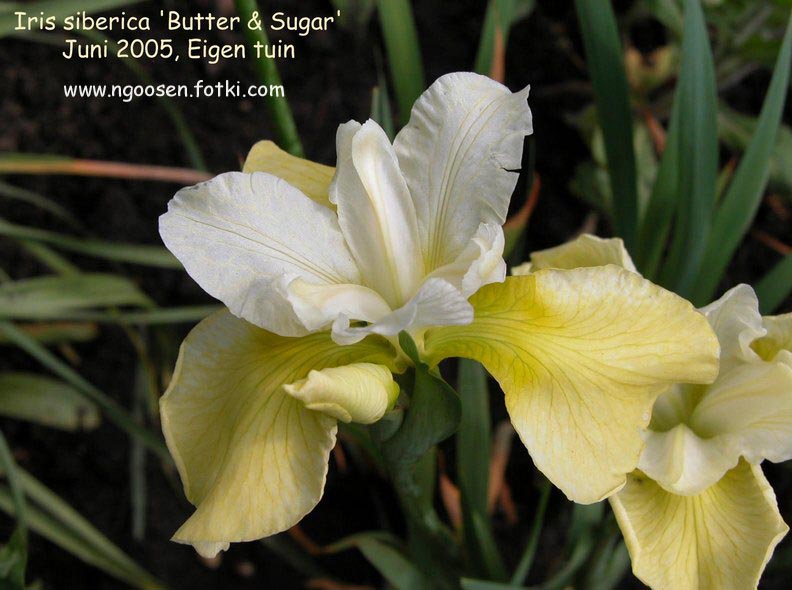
point(752, 405)
point(736, 320)
point(376, 213)
point(437, 303)
point(479, 264)
point(458, 154)
point(684, 464)
point(244, 237)
point(317, 306)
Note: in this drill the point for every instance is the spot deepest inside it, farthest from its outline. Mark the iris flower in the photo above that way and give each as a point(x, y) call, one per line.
point(698, 514)
point(321, 269)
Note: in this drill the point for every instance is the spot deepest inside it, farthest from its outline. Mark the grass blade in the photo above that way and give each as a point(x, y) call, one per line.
point(526, 561)
point(55, 520)
point(696, 103)
point(501, 15)
point(612, 99)
point(13, 556)
point(46, 401)
point(116, 251)
point(152, 317)
point(277, 106)
point(20, 194)
point(473, 468)
point(775, 286)
point(404, 53)
point(114, 411)
point(50, 297)
point(19, 163)
point(741, 201)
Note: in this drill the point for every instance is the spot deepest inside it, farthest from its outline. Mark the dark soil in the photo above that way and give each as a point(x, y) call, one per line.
point(330, 82)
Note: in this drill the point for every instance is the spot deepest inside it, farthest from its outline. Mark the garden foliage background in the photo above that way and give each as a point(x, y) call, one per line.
point(130, 495)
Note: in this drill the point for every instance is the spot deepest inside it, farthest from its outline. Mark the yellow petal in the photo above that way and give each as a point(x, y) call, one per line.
point(582, 354)
point(778, 338)
point(360, 392)
point(585, 251)
point(252, 458)
point(720, 539)
point(311, 178)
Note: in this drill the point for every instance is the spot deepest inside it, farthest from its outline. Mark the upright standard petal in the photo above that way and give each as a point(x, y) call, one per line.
point(311, 178)
point(459, 154)
point(245, 237)
point(252, 458)
point(584, 251)
point(777, 343)
point(581, 355)
point(720, 539)
point(736, 320)
point(376, 213)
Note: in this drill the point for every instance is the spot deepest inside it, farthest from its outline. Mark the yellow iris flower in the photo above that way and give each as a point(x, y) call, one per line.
point(698, 514)
point(322, 268)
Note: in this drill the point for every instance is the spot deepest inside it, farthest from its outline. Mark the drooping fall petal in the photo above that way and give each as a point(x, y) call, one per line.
point(719, 539)
point(581, 355)
point(252, 458)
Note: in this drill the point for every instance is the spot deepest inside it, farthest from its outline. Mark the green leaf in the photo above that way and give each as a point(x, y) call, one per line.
point(54, 519)
point(741, 201)
point(55, 296)
point(114, 411)
point(58, 333)
point(116, 251)
point(404, 53)
point(526, 561)
point(736, 131)
point(501, 16)
point(474, 584)
point(46, 401)
point(13, 557)
point(277, 106)
point(171, 315)
point(32, 198)
point(611, 96)
point(380, 550)
point(697, 164)
point(775, 286)
point(355, 14)
point(59, 9)
point(473, 466)
point(432, 416)
point(381, 109)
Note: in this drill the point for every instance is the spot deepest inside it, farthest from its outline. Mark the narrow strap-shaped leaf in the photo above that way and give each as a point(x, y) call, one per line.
point(612, 99)
point(501, 15)
point(696, 100)
point(742, 198)
point(473, 466)
point(278, 107)
point(526, 561)
point(775, 286)
point(404, 53)
point(57, 521)
point(116, 251)
point(114, 411)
